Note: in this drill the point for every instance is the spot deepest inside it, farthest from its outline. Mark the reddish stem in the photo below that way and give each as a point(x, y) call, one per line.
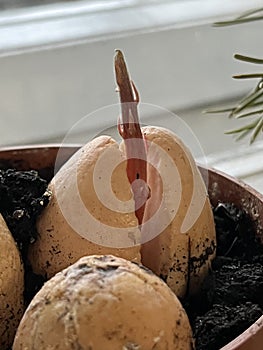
point(130, 131)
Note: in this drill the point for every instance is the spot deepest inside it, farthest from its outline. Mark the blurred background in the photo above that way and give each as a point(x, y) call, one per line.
point(8, 4)
point(56, 67)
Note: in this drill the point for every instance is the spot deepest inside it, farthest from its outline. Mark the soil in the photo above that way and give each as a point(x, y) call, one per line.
point(231, 298)
point(22, 198)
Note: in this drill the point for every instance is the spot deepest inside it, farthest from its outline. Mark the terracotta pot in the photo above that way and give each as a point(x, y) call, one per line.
point(221, 187)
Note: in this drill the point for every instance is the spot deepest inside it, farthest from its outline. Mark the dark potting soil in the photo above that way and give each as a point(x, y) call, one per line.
point(22, 198)
point(231, 298)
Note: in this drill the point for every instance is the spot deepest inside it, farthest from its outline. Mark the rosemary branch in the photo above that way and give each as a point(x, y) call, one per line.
point(252, 104)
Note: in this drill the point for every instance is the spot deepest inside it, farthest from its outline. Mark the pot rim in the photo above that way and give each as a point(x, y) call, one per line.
point(241, 342)
point(237, 181)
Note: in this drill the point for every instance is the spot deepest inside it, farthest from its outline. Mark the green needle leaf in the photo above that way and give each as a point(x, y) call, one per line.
point(243, 134)
point(257, 130)
point(248, 76)
point(258, 111)
point(237, 21)
point(249, 16)
point(247, 102)
point(230, 109)
point(215, 110)
point(248, 59)
point(249, 127)
point(250, 13)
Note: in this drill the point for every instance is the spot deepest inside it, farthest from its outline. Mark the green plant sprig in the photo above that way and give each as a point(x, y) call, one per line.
point(252, 104)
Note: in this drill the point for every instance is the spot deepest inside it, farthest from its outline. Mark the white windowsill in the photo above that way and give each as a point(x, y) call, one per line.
point(244, 163)
point(63, 24)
